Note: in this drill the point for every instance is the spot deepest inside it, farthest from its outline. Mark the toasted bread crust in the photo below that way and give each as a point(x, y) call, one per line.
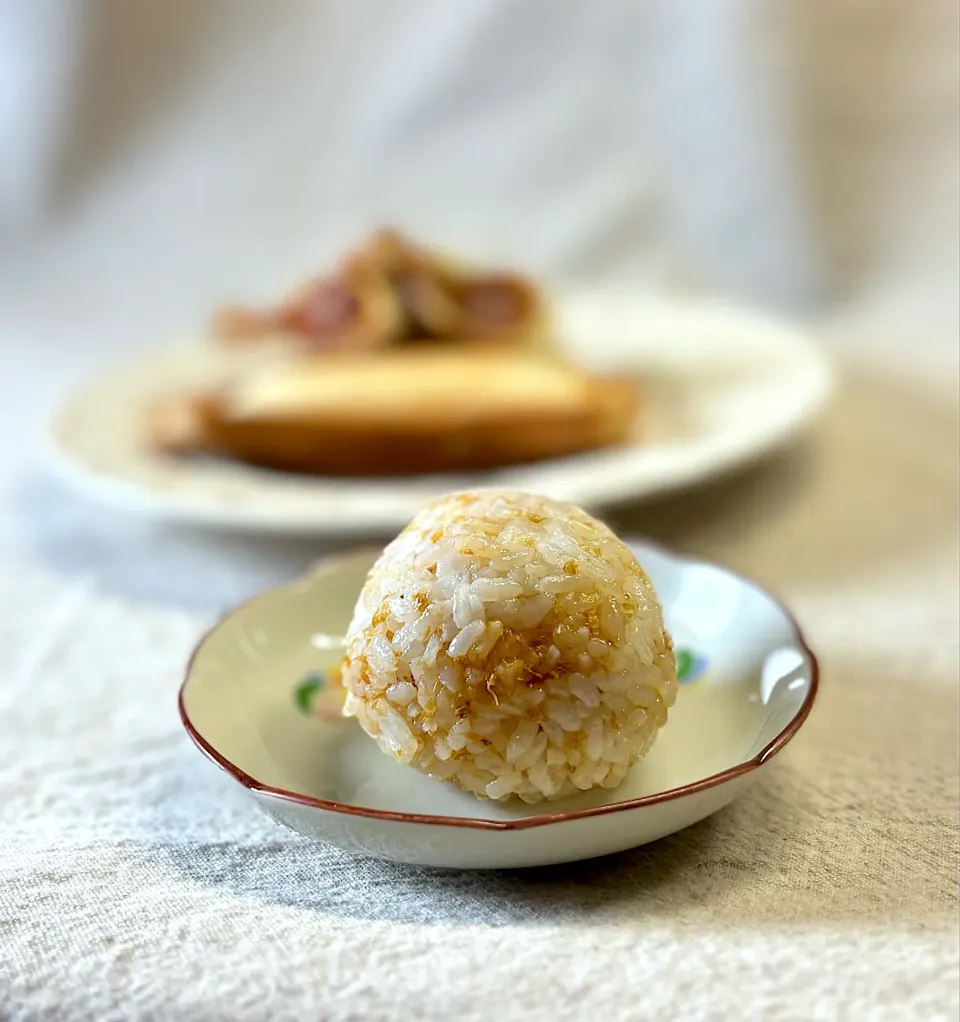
point(176, 426)
point(321, 443)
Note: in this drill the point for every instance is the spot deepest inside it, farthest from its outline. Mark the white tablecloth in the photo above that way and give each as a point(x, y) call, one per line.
point(131, 886)
point(134, 887)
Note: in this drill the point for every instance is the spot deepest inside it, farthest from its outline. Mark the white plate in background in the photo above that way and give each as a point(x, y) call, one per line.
point(722, 386)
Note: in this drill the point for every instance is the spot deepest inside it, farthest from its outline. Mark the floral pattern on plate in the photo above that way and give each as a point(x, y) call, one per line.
point(320, 694)
point(691, 666)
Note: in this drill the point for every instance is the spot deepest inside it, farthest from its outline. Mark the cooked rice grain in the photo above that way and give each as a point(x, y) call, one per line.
point(510, 644)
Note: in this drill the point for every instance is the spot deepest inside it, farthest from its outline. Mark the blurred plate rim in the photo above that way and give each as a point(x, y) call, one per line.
point(332, 563)
point(644, 333)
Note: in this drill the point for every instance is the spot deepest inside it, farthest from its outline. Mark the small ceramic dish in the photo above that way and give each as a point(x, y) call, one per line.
point(261, 701)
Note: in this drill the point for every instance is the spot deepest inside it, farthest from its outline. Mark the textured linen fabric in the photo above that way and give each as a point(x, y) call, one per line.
point(132, 885)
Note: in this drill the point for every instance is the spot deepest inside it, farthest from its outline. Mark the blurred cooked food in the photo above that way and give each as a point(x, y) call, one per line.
point(407, 411)
point(356, 311)
point(402, 361)
point(391, 292)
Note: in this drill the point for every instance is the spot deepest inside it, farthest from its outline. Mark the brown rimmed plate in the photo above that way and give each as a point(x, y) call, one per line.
point(260, 700)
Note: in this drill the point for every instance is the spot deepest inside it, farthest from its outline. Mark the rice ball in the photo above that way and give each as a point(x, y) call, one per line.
point(510, 644)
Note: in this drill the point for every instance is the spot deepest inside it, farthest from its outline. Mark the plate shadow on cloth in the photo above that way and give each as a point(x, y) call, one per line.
point(854, 823)
point(322, 878)
point(716, 867)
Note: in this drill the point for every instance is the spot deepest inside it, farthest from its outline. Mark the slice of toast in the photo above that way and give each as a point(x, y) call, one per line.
point(424, 410)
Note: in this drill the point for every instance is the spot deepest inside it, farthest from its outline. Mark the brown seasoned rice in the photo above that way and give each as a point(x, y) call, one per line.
point(513, 645)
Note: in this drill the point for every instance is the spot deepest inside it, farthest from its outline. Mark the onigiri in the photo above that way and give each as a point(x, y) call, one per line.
point(510, 644)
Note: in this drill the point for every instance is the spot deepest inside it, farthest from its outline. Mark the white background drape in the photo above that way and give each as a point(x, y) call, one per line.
point(156, 157)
